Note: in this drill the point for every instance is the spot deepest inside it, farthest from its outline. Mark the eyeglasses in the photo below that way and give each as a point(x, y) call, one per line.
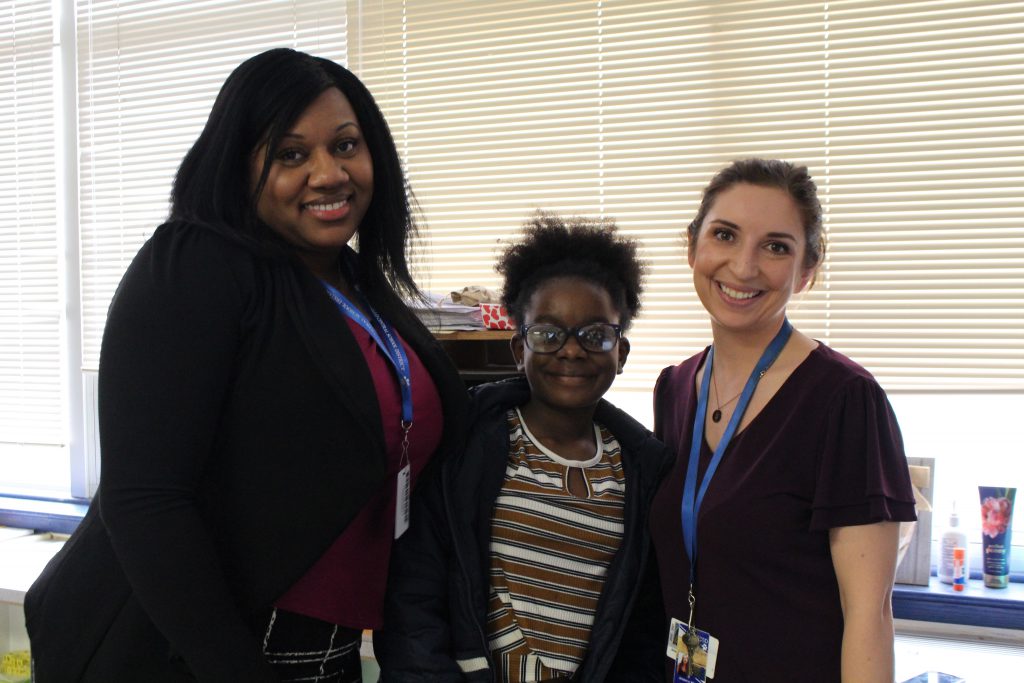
point(549, 338)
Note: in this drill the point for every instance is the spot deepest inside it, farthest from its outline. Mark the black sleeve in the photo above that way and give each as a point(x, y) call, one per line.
point(641, 655)
point(641, 652)
point(166, 363)
point(415, 643)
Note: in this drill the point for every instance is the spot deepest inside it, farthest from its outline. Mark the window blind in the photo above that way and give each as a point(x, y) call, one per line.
point(910, 116)
point(148, 73)
point(925, 177)
point(31, 403)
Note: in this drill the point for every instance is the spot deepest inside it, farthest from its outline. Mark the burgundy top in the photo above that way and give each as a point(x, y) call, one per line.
point(825, 452)
point(346, 585)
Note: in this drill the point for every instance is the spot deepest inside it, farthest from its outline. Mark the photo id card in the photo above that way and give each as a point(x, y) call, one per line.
point(694, 653)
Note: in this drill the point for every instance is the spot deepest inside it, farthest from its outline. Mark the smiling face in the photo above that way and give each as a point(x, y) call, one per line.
point(748, 257)
point(571, 378)
point(320, 182)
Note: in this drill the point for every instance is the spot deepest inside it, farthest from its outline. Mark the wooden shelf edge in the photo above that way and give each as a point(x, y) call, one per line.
point(475, 335)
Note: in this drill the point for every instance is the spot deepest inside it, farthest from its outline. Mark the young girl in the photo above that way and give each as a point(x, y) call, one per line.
point(527, 563)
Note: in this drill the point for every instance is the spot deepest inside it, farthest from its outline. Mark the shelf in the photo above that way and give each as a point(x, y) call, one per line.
point(480, 355)
point(25, 554)
point(976, 606)
point(474, 335)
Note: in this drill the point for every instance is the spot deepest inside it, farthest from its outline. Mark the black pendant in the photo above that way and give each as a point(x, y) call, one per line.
point(716, 415)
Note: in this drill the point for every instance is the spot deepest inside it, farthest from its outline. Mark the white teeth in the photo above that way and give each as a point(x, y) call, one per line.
point(327, 207)
point(735, 294)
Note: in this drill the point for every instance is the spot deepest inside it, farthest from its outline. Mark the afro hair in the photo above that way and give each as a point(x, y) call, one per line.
point(592, 250)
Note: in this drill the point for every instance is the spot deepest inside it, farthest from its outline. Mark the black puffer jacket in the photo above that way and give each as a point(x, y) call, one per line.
point(434, 623)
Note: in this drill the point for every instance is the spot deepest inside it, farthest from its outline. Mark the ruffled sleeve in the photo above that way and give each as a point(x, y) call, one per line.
point(862, 474)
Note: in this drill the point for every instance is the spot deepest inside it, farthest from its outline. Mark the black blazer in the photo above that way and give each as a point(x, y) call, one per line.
point(239, 436)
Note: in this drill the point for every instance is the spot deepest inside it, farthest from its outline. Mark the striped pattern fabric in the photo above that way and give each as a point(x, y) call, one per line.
point(549, 554)
point(303, 649)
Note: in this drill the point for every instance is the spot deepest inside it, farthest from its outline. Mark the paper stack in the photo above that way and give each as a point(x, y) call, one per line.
point(439, 313)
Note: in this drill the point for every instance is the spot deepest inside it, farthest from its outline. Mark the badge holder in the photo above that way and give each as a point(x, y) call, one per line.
point(693, 651)
point(404, 488)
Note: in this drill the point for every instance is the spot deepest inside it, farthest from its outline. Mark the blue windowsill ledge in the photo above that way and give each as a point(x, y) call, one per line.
point(936, 602)
point(975, 606)
point(40, 514)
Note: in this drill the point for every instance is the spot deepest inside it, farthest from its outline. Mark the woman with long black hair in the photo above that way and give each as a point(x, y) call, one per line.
point(267, 402)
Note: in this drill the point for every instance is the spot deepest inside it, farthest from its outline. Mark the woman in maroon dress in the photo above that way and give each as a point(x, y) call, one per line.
point(779, 521)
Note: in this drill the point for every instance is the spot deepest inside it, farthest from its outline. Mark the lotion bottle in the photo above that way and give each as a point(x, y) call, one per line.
point(952, 537)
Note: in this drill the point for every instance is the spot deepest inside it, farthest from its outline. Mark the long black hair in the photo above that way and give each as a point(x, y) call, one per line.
point(258, 103)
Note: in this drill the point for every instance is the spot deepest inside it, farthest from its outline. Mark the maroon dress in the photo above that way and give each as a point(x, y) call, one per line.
point(825, 452)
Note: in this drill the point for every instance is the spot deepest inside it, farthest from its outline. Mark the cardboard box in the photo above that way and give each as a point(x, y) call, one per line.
point(915, 564)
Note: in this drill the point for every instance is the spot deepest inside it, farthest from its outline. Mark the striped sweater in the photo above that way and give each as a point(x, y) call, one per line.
point(549, 554)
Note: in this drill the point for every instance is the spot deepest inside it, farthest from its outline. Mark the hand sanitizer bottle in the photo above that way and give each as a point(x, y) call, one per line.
point(952, 537)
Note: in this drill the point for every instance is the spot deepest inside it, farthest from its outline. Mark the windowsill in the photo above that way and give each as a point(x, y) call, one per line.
point(937, 602)
point(975, 606)
point(58, 516)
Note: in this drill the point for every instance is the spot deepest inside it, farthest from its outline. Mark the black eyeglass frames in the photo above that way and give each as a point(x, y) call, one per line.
point(549, 338)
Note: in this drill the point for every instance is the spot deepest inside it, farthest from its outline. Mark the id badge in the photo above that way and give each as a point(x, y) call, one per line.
point(693, 651)
point(402, 500)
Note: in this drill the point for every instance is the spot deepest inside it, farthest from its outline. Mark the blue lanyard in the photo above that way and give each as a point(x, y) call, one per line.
point(392, 349)
point(692, 498)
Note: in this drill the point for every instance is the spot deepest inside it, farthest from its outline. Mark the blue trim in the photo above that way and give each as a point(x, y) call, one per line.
point(976, 606)
point(40, 514)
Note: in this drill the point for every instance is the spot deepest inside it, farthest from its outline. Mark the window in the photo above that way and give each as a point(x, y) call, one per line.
point(146, 75)
point(909, 114)
point(32, 400)
point(145, 89)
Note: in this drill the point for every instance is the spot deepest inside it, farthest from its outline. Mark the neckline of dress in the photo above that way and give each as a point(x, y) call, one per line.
point(555, 456)
point(743, 428)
